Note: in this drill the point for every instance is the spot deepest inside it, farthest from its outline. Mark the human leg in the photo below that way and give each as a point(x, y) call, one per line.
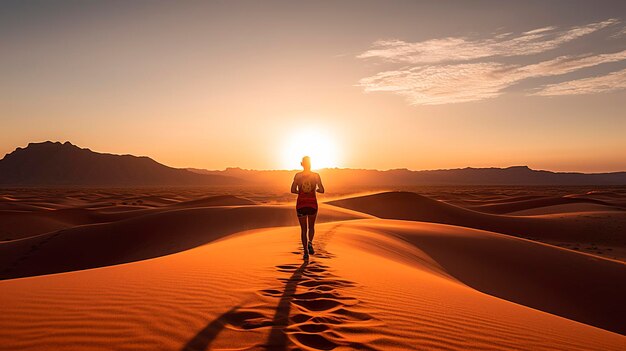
point(311, 221)
point(303, 230)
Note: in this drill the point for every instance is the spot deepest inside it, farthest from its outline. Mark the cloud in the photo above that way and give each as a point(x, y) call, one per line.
point(619, 34)
point(433, 85)
point(540, 30)
point(567, 64)
point(464, 49)
point(602, 84)
point(454, 69)
point(453, 83)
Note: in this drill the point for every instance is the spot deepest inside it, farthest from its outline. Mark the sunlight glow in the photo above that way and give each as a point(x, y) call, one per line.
point(316, 144)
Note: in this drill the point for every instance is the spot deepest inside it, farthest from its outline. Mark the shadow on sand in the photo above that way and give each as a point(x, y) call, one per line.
point(277, 339)
point(205, 337)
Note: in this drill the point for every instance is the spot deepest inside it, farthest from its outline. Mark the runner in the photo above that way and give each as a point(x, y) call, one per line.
point(305, 184)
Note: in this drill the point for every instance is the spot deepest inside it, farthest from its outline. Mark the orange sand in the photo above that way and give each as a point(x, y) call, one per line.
point(225, 273)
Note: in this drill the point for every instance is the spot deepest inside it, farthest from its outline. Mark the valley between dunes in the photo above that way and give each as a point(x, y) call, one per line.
point(169, 270)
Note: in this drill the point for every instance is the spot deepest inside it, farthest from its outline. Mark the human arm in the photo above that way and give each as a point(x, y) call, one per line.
point(294, 185)
point(320, 186)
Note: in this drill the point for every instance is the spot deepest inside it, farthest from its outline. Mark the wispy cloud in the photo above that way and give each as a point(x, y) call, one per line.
point(463, 49)
point(441, 84)
point(452, 70)
point(540, 30)
point(619, 34)
point(602, 84)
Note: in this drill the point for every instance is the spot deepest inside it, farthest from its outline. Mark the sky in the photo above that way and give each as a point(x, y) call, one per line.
point(358, 84)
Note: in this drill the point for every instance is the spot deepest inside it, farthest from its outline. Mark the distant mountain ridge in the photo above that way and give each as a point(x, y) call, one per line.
point(516, 175)
point(58, 164)
point(64, 164)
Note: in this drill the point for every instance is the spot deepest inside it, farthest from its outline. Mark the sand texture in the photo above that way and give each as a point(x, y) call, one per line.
point(193, 269)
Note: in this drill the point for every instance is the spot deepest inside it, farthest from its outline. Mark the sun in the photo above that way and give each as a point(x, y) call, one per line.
point(316, 144)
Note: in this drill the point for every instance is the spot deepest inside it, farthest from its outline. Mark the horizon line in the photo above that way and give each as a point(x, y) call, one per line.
point(67, 142)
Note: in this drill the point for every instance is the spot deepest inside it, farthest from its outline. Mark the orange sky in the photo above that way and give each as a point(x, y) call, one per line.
point(407, 85)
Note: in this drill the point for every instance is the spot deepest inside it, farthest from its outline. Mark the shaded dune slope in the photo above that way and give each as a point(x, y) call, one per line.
point(526, 204)
point(220, 200)
point(576, 208)
point(522, 271)
point(141, 237)
point(411, 206)
point(17, 224)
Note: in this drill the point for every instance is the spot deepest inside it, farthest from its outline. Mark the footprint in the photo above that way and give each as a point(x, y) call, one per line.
point(328, 320)
point(352, 314)
point(247, 320)
point(287, 268)
point(329, 283)
point(300, 318)
point(316, 270)
point(312, 327)
point(310, 295)
point(316, 341)
point(287, 280)
point(271, 292)
point(320, 309)
point(318, 305)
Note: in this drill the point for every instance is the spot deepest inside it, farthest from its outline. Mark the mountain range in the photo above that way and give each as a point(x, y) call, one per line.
point(64, 164)
point(516, 175)
point(59, 164)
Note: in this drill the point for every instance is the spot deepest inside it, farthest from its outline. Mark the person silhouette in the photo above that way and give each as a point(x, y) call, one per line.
point(306, 184)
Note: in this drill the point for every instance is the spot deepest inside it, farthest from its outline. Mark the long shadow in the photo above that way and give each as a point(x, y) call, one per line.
point(205, 337)
point(277, 339)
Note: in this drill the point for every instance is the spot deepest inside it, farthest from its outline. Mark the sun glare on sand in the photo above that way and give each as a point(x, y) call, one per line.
point(316, 144)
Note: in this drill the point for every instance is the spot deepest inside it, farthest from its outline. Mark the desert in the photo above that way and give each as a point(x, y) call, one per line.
point(177, 269)
point(279, 175)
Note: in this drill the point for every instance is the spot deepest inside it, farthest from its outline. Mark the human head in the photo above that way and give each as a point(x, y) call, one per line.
point(306, 163)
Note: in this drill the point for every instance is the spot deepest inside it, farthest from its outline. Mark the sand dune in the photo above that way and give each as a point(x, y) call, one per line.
point(221, 200)
point(529, 204)
point(18, 224)
point(518, 270)
point(192, 270)
point(564, 208)
point(141, 237)
point(374, 285)
point(615, 197)
point(598, 228)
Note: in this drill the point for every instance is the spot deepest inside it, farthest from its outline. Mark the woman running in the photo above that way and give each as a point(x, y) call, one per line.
point(305, 184)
